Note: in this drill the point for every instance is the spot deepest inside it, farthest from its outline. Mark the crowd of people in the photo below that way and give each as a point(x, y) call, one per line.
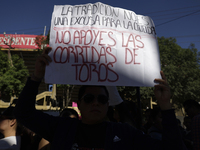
point(101, 126)
point(13, 133)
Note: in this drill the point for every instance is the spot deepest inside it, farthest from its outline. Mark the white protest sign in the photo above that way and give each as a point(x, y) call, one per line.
point(98, 44)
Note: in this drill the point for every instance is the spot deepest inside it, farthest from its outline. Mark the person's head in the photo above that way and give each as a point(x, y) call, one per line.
point(192, 107)
point(93, 103)
point(8, 123)
point(125, 112)
point(68, 112)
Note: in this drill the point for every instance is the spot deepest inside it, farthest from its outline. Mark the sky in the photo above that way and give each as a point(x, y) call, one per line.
point(172, 18)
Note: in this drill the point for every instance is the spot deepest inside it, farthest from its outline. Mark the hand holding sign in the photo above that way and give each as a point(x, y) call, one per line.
point(162, 92)
point(40, 65)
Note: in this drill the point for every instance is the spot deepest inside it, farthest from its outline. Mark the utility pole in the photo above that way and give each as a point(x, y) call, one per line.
point(9, 44)
point(44, 30)
point(42, 46)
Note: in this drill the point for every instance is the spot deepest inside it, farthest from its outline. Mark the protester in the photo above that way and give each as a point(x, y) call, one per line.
point(69, 112)
point(10, 129)
point(125, 113)
point(92, 132)
point(192, 108)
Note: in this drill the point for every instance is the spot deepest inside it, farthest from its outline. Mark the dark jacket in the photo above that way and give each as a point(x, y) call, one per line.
point(61, 132)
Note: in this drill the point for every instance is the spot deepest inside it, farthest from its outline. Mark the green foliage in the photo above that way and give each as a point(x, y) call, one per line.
point(12, 79)
point(182, 69)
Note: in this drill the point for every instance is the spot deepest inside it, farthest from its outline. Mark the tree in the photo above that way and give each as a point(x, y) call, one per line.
point(12, 78)
point(182, 69)
point(40, 41)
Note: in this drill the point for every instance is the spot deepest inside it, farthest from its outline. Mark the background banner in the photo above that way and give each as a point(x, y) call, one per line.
point(20, 41)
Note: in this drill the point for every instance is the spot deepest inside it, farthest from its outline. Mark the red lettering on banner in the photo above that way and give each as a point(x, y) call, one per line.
point(130, 40)
point(132, 54)
point(79, 53)
point(86, 53)
point(123, 40)
point(90, 68)
point(88, 73)
point(136, 38)
point(61, 59)
point(136, 41)
point(77, 36)
point(73, 52)
point(93, 70)
point(82, 51)
point(115, 59)
point(57, 38)
point(95, 62)
point(126, 54)
point(95, 35)
point(112, 39)
point(117, 76)
point(85, 37)
point(69, 35)
point(100, 66)
point(102, 54)
point(76, 72)
point(100, 38)
point(94, 50)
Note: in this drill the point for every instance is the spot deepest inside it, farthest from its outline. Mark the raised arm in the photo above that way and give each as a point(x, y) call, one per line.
point(35, 120)
point(162, 92)
point(171, 136)
point(40, 65)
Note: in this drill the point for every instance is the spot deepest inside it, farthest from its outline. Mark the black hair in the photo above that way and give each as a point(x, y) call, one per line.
point(67, 112)
point(84, 87)
point(191, 103)
point(9, 112)
point(125, 114)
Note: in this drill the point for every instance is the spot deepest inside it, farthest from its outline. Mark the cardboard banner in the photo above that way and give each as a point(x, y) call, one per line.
point(20, 41)
point(98, 44)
